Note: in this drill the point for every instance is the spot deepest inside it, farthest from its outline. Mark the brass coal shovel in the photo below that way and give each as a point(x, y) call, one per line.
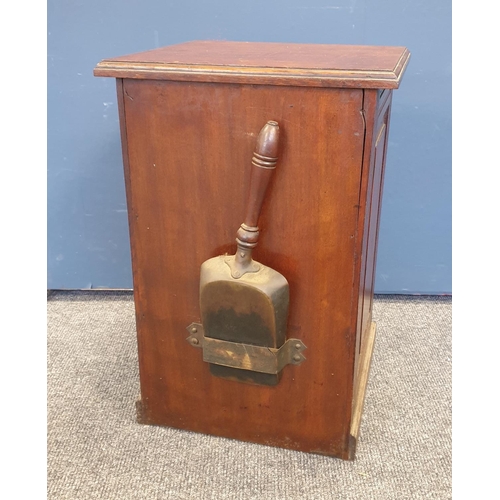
point(244, 304)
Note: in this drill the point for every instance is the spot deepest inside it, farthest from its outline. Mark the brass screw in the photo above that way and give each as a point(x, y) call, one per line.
point(242, 254)
point(195, 341)
point(296, 358)
point(194, 329)
point(297, 346)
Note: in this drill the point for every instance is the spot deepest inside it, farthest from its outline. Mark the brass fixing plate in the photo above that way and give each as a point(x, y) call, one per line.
point(245, 356)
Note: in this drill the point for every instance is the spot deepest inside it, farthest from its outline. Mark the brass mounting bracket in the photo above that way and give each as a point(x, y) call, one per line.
point(245, 356)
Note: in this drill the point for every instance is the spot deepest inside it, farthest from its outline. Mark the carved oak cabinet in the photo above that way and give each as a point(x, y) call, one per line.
point(190, 117)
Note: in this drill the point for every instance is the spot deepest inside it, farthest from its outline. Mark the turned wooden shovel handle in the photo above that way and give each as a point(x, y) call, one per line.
point(264, 161)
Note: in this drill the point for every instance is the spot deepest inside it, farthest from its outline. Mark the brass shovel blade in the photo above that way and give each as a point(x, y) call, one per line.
point(250, 310)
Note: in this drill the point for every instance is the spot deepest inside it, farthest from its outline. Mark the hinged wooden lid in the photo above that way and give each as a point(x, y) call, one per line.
point(348, 66)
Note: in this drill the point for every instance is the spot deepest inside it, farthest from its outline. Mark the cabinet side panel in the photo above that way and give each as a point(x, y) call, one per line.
point(370, 102)
point(378, 167)
point(120, 90)
point(189, 148)
point(376, 109)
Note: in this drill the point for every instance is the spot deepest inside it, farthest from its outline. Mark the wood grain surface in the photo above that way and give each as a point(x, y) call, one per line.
point(189, 117)
point(360, 388)
point(187, 148)
point(377, 148)
point(353, 66)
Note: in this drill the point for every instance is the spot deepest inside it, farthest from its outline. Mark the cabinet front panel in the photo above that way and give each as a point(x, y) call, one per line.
point(189, 149)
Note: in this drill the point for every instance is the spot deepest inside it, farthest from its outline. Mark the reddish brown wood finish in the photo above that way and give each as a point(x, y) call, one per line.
point(353, 66)
point(374, 203)
point(377, 112)
point(267, 147)
point(186, 148)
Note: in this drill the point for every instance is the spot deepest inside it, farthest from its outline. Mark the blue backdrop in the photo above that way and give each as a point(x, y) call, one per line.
point(88, 244)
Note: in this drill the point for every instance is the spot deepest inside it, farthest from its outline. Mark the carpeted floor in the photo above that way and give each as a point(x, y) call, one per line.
point(97, 450)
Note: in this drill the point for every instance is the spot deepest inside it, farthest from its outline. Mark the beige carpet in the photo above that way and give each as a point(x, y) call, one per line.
point(97, 450)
